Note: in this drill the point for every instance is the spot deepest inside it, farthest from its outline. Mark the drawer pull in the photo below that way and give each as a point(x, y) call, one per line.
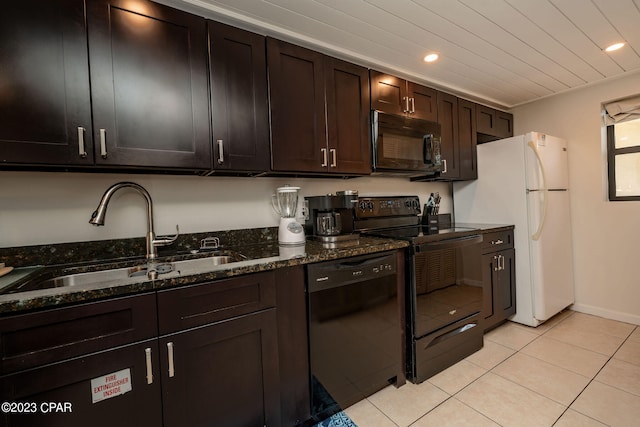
point(497, 242)
point(172, 371)
point(147, 352)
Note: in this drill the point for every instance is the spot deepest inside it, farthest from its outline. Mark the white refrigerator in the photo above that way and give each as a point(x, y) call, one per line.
point(524, 181)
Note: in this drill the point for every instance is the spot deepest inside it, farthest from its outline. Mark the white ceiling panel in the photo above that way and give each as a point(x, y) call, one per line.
point(499, 52)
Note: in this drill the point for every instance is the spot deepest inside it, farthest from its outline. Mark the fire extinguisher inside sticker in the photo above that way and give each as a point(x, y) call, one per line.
point(110, 385)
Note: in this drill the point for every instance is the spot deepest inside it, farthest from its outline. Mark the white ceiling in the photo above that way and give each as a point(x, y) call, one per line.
point(500, 52)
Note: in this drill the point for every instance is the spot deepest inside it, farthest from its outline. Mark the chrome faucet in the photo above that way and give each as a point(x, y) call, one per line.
point(97, 217)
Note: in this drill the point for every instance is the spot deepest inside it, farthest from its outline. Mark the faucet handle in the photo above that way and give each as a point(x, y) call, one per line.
point(166, 240)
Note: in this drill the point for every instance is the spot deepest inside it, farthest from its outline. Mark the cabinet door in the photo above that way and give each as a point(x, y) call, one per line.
point(70, 382)
point(347, 94)
point(504, 124)
point(485, 120)
point(499, 298)
point(507, 293)
point(148, 85)
point(489, 295)
point(467, 139)
point(224, 374)
point(298, 123)
point(388, 93)
point(423, 102)
point(448, 119)
point(239, 100)
point(45, 103)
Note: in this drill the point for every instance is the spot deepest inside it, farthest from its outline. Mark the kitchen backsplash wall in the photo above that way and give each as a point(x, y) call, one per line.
point(42, 207)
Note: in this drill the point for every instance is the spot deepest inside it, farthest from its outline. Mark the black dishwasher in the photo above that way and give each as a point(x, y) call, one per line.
point(355, 336)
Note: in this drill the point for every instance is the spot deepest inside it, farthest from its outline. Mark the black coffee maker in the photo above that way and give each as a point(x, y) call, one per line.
point(330, 218)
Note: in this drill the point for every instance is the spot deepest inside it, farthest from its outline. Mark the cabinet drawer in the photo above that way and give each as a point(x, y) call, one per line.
point(34, 339)
point(197, 305)
point(497, 241)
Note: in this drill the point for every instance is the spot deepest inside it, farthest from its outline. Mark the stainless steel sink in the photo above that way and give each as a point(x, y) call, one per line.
point(80, 279)
point(108, 277)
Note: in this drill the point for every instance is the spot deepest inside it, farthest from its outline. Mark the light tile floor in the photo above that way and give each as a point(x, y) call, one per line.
point(574, 370)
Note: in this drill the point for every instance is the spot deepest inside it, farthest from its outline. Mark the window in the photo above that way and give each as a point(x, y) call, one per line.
point(622, 119)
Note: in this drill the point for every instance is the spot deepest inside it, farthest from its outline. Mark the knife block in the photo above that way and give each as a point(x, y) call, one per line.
point(436, 222)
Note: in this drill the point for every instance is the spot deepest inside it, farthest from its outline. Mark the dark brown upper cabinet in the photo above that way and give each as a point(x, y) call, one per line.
point(319, 112)
point(149, 85)
point(394, 95)
point(148, 101)
point(449, 137)
point(45, 108)
point(493, 124)
point(467, 138)
point(347, 98)
point(239, 102)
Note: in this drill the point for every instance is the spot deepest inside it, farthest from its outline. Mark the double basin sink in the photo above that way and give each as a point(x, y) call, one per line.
point(104, 277)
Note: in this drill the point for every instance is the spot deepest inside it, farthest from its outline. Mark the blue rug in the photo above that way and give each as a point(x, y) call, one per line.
point(339, 419)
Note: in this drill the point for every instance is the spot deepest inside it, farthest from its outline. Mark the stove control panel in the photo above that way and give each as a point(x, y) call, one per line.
point(378, 207)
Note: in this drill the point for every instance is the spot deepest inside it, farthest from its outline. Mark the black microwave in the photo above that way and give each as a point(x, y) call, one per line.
point(405, 146)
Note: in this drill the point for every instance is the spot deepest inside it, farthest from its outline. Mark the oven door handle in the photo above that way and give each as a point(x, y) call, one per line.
point(450, 243)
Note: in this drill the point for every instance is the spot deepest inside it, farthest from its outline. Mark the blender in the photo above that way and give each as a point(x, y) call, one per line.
point(285, 203)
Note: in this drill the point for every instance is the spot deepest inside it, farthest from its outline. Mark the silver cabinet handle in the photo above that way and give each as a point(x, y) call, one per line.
point(147, 354)
point(324, 157)
point(220, 151)
point(405, 108)
point(103, 143)
point(334, 158)
point(501, 262)
point(497, 242)
point(496, 266)
point(444, 166)
point(413, 105)
point(81, 150)
point(172, 371)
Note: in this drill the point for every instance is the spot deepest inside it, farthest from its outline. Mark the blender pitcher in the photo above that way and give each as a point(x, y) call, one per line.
point(285, 203)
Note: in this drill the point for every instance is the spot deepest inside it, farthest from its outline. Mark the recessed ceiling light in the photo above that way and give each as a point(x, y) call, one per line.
point(613, 47)
point(431, 57)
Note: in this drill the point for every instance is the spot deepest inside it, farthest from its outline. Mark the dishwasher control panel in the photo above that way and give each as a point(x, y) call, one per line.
point(350, 270)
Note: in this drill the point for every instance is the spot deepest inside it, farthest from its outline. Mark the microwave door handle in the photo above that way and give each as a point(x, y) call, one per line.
point(374, 134)
point(427, 148)
point(375, 127)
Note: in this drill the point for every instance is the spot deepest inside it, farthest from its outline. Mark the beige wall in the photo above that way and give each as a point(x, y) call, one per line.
point(606, 234)
point(44, 208)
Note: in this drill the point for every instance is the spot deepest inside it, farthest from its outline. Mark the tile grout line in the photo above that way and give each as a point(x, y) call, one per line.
point(592, 380)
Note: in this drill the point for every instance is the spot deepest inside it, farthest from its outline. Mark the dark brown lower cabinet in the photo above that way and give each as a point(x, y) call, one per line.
point(225, 374)
point(230, 352)
point(234, 351)
point(62, 394)
point(500, 287)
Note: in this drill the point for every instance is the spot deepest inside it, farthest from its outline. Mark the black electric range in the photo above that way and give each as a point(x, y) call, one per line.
point(444, 284)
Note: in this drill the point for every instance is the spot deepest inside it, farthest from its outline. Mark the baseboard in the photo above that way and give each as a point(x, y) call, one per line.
point(607, 314)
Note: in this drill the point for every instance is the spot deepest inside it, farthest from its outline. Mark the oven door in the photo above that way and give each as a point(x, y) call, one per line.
point(405, 145)
point(447, 283)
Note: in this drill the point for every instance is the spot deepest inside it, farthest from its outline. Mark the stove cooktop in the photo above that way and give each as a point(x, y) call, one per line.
point(419, 233)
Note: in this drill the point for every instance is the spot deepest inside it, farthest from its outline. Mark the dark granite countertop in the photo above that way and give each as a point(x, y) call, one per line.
point(258, 247)
point(486, 228)
point(262, 253)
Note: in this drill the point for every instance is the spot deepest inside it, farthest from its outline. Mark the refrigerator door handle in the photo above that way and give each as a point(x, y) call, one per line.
point(536, 235)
